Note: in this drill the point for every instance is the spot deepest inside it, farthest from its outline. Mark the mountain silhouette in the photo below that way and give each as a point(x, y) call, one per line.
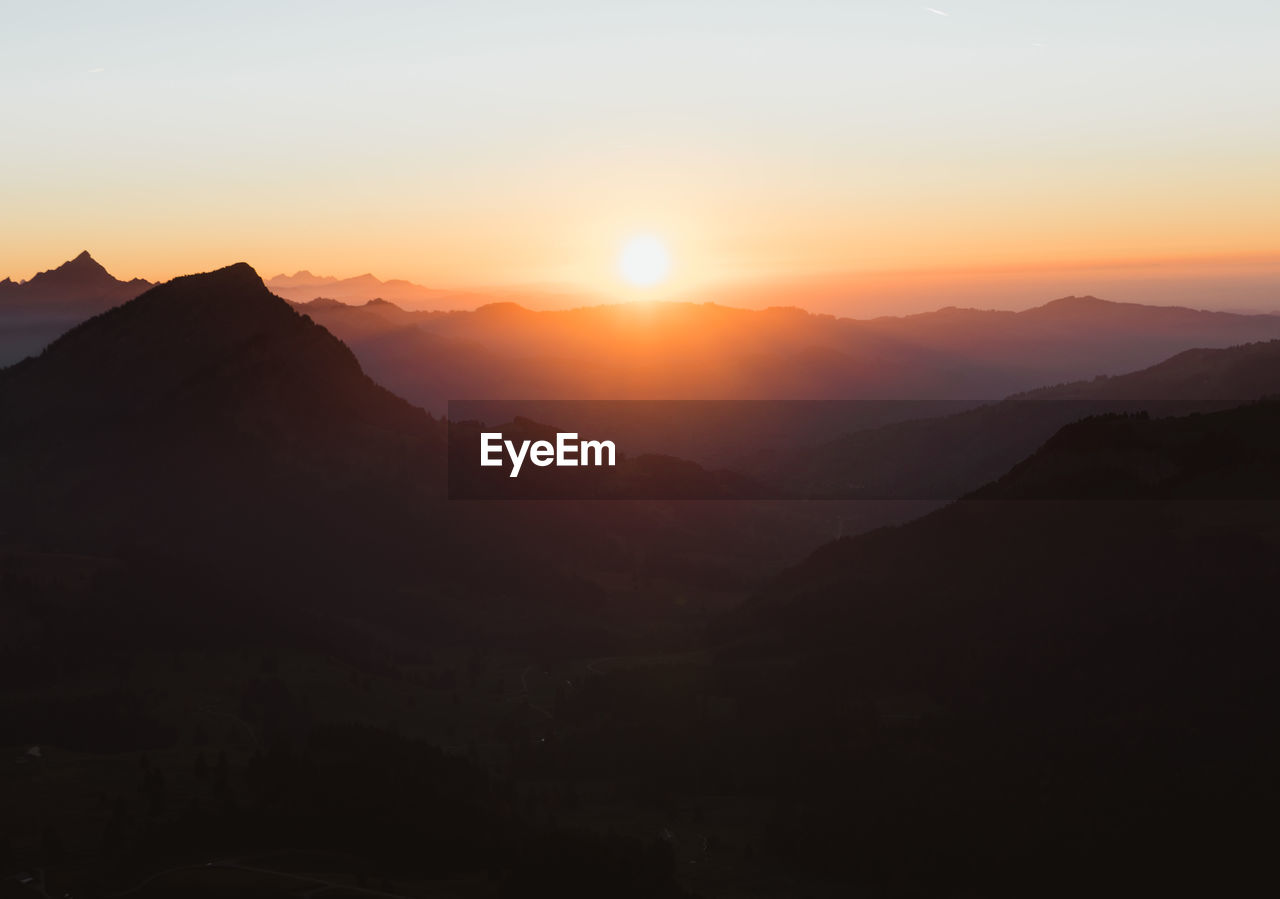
point(945, 457)
point(210, 424)
point(208, 418)
point(1244, 372)
point(81, 282)
point(1224, 455)
point(303, 286)
point(221, 338)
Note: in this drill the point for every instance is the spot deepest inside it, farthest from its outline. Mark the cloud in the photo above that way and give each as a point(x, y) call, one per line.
point(936, 12)
point(96, 71)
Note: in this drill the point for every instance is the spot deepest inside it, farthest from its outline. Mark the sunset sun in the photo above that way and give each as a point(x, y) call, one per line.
point(644, 261)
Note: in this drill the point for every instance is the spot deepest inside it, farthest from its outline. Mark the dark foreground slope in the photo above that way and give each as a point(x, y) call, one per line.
point(226, 568)
point(1022, 691)
point(226, 460)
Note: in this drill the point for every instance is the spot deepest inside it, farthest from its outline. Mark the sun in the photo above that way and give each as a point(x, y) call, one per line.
point(644, 261)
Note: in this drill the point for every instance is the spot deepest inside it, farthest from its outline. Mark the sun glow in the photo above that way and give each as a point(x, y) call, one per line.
point(644, 261)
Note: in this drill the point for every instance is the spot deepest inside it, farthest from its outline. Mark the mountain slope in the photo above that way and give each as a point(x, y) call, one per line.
point(1017, 684)
point(207, 417)
point(945, 457)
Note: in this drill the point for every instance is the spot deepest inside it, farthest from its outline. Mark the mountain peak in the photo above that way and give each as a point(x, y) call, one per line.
point(82, 266)
point(79, 281)
point(236, 275)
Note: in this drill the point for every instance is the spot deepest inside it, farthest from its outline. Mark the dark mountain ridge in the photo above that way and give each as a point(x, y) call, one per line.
point(945, 457)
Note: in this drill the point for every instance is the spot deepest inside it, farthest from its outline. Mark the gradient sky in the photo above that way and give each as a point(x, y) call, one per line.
point(496, 143)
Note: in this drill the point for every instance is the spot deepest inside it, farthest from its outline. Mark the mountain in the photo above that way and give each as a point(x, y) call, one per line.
point(211, 390)
point(303, 279)
point(209, 428)
point(303, 286)
point(672, 350)
point(1017, 683)
point(1249, 371)
point(210, 424)
point(688, 351)
point(202, 496)
point(943, 457)
point(234, 602)
point(81, 282)
point(34, 312)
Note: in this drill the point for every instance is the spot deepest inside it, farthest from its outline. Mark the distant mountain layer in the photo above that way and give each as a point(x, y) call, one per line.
point(34, 312)
point(687, 351)
point(81, 284)
point(303, 286)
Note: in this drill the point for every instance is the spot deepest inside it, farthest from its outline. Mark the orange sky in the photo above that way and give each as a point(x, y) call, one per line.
point(858, 157)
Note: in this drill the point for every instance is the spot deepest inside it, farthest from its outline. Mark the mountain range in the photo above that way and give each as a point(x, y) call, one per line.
point(670, 350)
point(80, 283)
point(303, 286)
point(202, 486)
point(208, 422)
point(687, 351)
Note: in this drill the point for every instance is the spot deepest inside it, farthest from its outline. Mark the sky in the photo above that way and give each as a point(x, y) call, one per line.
point(861, 156)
